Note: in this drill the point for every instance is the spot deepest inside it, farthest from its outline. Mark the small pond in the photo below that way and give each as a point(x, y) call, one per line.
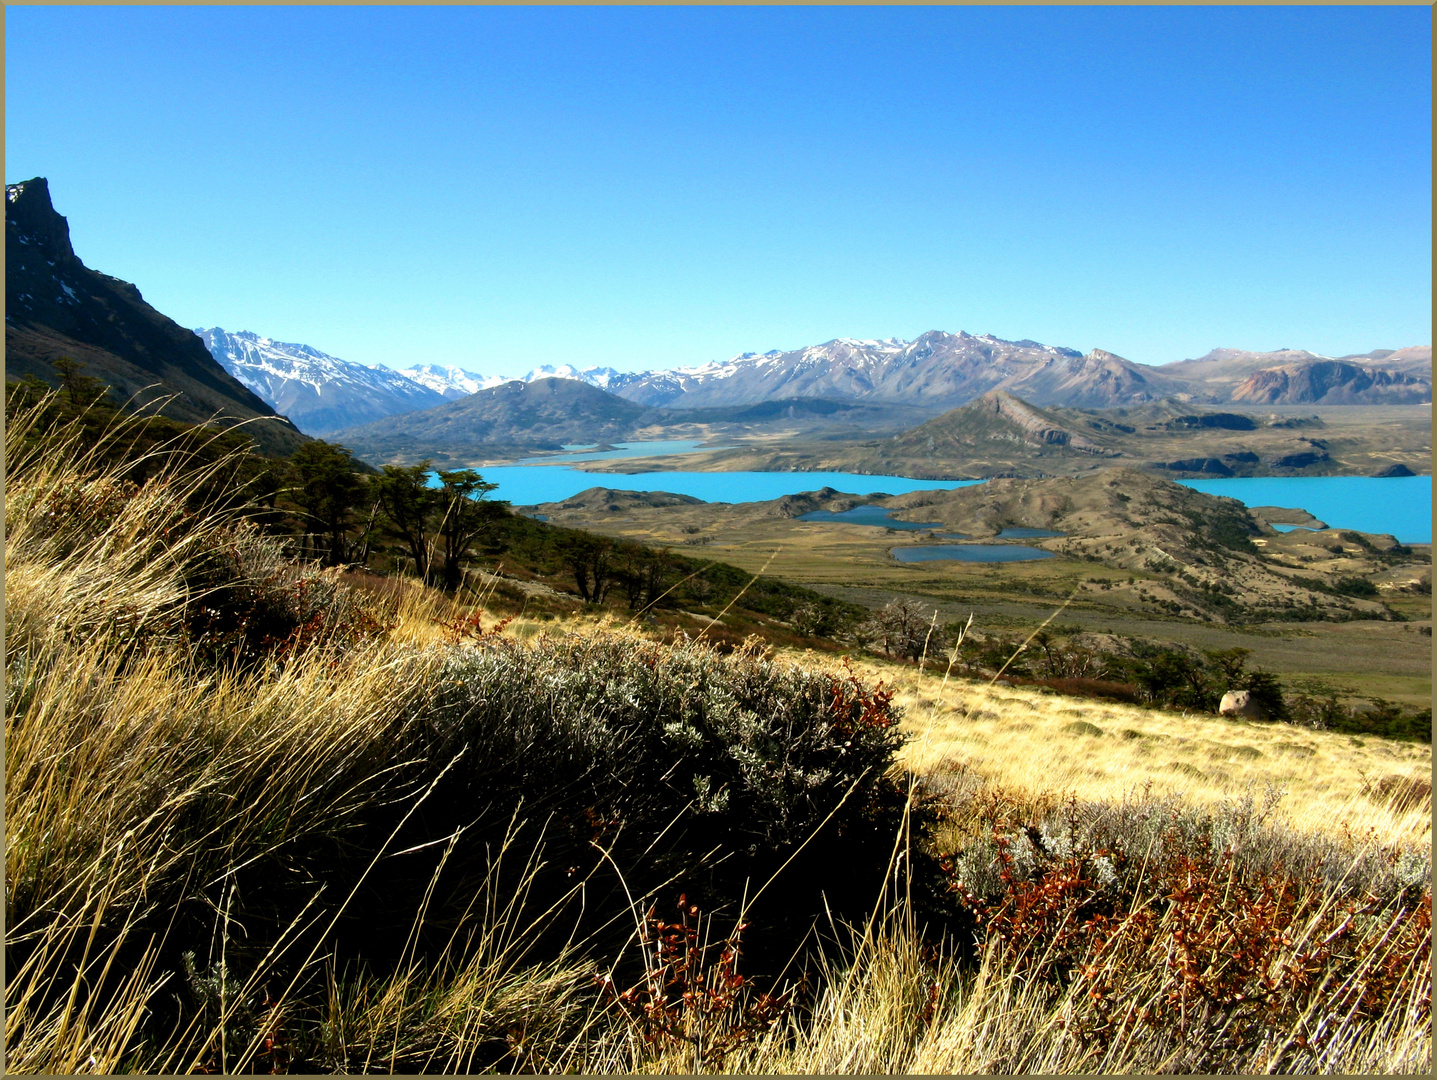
point(870, 515)
point(970, 553)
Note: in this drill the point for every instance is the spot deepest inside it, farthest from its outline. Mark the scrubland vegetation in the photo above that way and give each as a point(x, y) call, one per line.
point(264, 815)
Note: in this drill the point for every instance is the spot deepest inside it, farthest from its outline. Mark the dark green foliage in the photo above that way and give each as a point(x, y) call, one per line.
point(1266, 690)
point(1170, 677)
point(645, 574)
point(1230, 527)
point(689, 772)
point(623, 740)
point(329, 489)
point(593, 562)
point(1386, 719)
point(408, 502)
point(1146, 672)
point(1354, 586)
point(1321, 710)
point(464, 516)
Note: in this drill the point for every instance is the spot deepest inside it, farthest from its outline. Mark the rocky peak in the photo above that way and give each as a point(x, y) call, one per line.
point(31, 216)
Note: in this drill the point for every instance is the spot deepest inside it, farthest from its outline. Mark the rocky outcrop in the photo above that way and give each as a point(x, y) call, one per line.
point(1302, 459)
point(1208, 465)
point(1332, 382)
point(995, 418)
point(1395, 469)
point(1240, 703)
point(56, 307)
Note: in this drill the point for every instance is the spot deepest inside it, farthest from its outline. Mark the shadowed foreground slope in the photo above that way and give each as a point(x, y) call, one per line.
point(252, 826)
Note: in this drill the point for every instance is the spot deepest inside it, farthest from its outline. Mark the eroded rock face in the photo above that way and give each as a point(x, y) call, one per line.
point(1397, 469)
point(57, 308)
point(1240, 703)
point(1332, 382)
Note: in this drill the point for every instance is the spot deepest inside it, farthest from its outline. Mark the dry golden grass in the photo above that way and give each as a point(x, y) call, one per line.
point(135, 778)
point(1027, 739)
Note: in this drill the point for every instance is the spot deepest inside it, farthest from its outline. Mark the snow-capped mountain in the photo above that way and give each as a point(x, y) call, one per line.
point(935, 370)
point(318, 392)
point(451, 382)
point(605, 378)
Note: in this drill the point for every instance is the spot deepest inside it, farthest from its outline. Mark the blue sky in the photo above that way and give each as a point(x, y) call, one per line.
point(647, 187)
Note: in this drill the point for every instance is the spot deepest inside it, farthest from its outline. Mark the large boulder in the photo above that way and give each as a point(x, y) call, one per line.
point(1240, 703)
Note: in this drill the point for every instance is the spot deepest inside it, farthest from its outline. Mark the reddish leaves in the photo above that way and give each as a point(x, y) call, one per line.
point(688, 999)
point(1230, 957)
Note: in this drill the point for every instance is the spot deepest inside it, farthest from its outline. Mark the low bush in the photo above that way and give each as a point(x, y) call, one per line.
point(228, 783)
point(1354, 586)
point(1223, 941)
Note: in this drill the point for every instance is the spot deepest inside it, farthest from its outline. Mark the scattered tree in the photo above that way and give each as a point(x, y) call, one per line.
point(466, 517)
point(591, 558)
point(905, 628)
point(328, 487)
point(409, 503)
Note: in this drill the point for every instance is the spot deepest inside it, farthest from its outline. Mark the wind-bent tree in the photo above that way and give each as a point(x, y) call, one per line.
point(466, 517)
point(409, 504)
point(591, 558)
point(81, 391)
point(644, 573)
point(328, 487)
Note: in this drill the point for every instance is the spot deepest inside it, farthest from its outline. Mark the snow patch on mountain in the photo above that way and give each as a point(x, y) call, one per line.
point(318, 392)
point(451, 382)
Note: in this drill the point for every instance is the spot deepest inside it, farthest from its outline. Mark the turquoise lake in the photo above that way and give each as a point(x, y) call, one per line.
point(1401, 506)
point(525, 485)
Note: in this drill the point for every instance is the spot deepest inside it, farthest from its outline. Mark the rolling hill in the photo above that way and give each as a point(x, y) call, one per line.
point(544, 414)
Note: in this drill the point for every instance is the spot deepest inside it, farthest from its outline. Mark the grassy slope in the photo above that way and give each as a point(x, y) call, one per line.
point(1034, 740)
point(148, 797)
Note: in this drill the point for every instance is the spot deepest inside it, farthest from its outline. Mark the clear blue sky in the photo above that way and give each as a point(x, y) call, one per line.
point(646, 187)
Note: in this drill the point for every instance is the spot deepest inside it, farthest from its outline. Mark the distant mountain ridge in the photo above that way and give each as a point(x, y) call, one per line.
point(1332, 382)
point(320, 393)
point(449, 382)
point(1298, 377)
point(940, 370)
point(932, 373)
point(543, 414)
point(56, 306)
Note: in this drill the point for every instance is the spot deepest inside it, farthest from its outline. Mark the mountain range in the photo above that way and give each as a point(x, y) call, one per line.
point(319, 392)
point(932, 373)
point(58, 308)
